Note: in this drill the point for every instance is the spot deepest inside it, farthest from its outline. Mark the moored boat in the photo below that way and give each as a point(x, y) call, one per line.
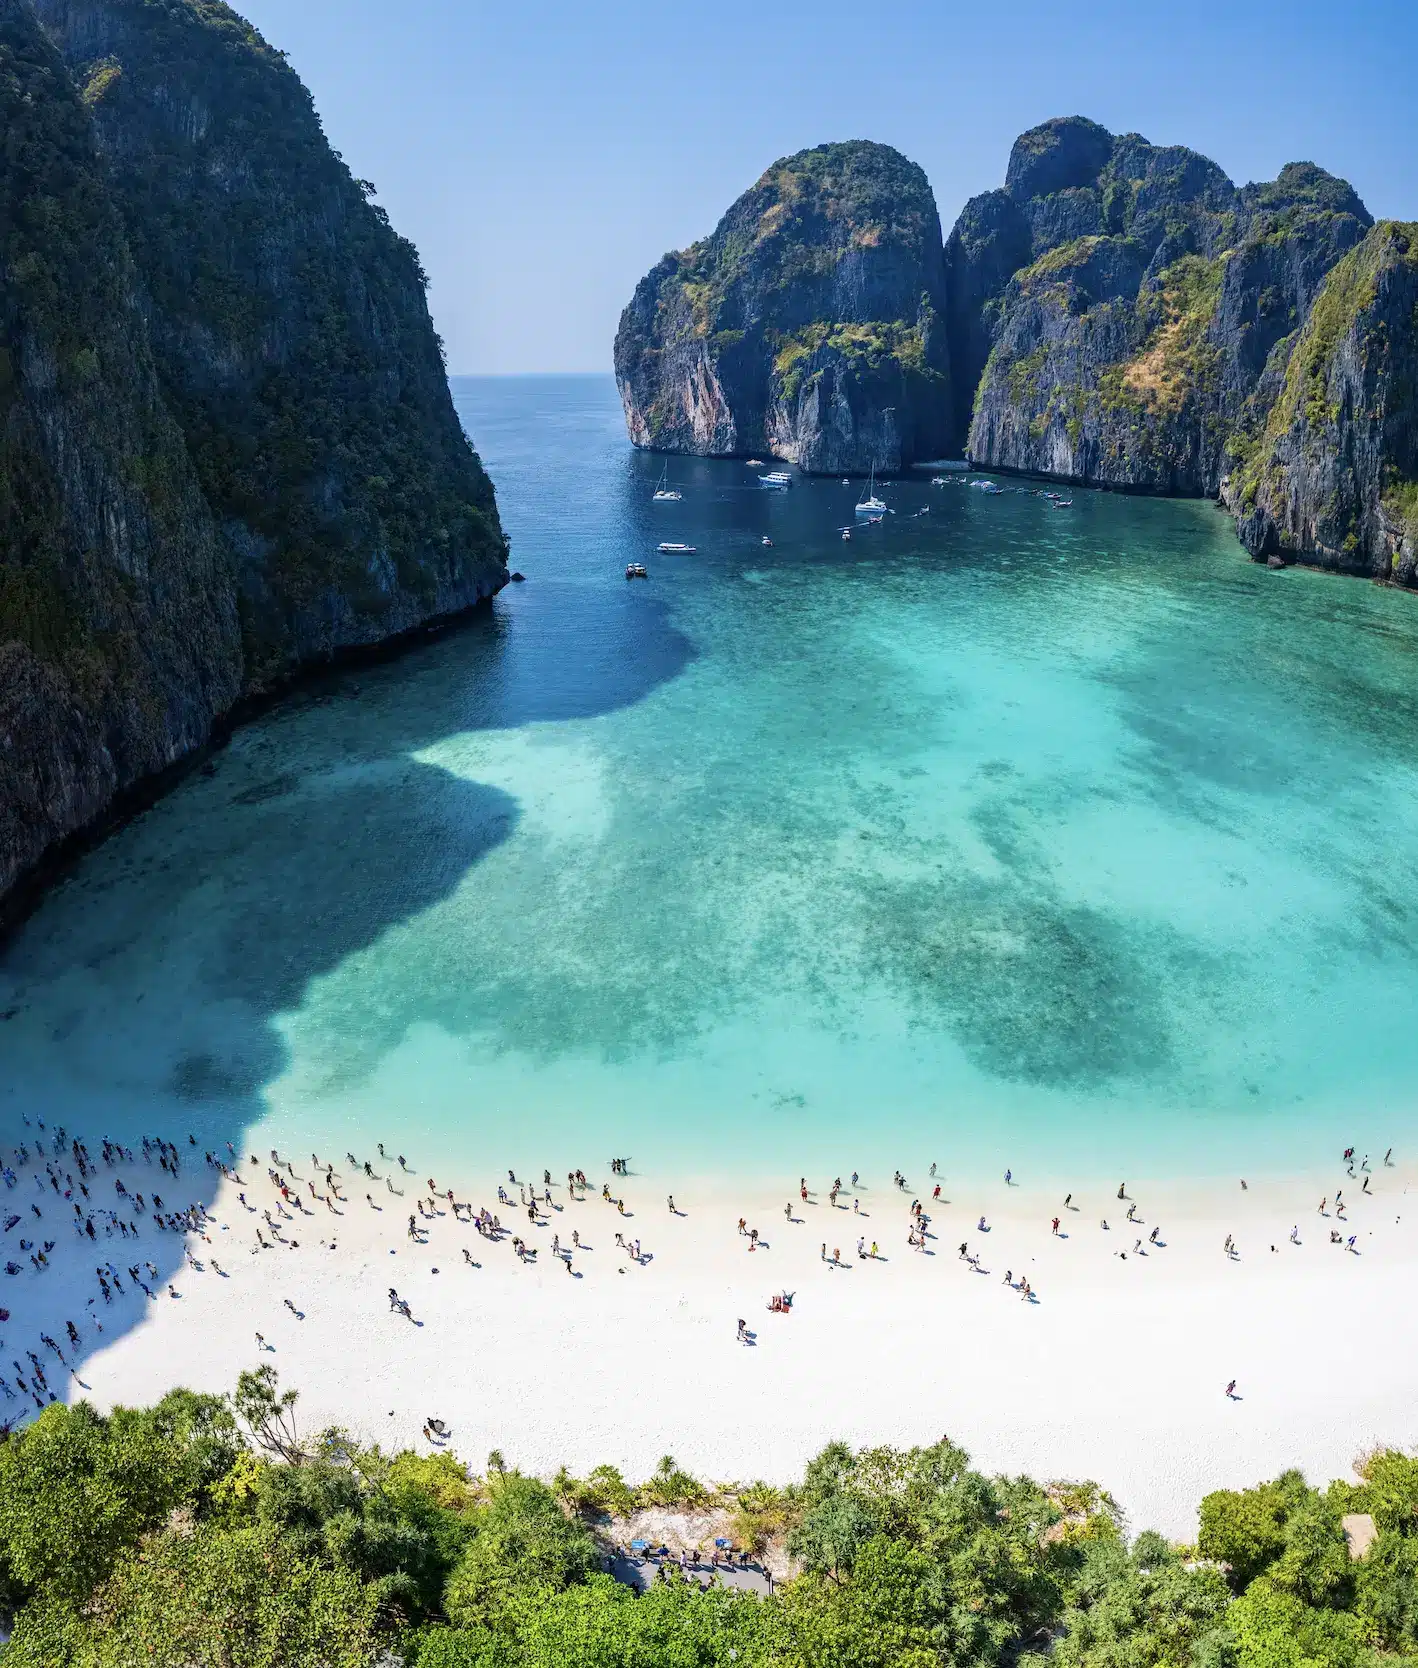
point(872, 506)
point(669, 549)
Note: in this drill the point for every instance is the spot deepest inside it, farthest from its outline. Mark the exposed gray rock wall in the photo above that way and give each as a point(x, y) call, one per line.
point(118, 625)
point(1127, 348)
point(227, 444)
point(809, 325)
point(1331, 476)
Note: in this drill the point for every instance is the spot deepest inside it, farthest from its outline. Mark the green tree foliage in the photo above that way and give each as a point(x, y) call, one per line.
point(601, 1624)
point(76, 1489)
point(1139, 1609)
point(205, 1533)
point(228, 1598)
point(1390, 1491)
point(522, 1542)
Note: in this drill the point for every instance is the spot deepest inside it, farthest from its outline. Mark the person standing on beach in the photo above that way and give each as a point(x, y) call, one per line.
point(1056, 1226)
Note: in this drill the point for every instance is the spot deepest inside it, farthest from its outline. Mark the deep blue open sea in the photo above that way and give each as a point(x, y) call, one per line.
point(998, 834)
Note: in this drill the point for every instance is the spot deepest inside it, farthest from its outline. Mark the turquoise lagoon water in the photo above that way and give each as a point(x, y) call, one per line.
point(1069, 840)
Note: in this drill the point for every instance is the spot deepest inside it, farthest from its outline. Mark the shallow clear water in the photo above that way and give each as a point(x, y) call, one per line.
point(1069, 840)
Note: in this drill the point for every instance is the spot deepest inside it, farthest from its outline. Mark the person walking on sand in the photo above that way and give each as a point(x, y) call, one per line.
point(1056, 1226)
point(1231, 1390)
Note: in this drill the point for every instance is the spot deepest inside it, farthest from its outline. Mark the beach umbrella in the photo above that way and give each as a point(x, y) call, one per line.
point(721, 1540)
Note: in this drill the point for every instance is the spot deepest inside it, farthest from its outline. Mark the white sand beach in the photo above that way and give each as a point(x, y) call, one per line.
point(1116, 1370)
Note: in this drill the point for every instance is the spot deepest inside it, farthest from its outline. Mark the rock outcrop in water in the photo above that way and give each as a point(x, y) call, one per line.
point(1126, 349)
point(227, 444)
point(810, 325)
point(1328, 466)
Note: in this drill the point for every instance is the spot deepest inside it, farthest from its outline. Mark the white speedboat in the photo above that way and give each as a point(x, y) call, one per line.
point(668, 549)
point(871, 505)
point(777, 478)
point(664, 492)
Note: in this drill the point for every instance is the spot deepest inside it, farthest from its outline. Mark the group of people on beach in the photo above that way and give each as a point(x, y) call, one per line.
point(67, 1175)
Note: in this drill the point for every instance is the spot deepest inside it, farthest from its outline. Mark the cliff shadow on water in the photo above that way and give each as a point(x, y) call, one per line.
point(146, 995)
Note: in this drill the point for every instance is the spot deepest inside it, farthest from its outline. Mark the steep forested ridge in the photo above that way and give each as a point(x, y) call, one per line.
point(809, 324)
point(1118, 313)
point(1123, 349)
point(227, 443)
point(118, 627)
point(291, 334)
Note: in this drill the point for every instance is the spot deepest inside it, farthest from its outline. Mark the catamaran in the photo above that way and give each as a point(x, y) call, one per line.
point(871, 505)
point(665, 493)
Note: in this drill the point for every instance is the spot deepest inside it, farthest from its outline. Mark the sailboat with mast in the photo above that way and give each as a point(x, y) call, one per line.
point(664, 492)
point(872, 506)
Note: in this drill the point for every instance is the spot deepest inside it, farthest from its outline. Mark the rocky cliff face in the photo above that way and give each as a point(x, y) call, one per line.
point(227, 446)
point(809, 325)
point(1125, 350)
point(1326, 467)
point(118, 629)
point(291, 334)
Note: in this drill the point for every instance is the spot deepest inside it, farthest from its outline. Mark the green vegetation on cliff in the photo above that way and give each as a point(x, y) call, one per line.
point(207, 1530)
point(1152, 293)
point(809, 323)
point(1328, 464)
point(227, 443)
point(118, 639)
point(291, 332)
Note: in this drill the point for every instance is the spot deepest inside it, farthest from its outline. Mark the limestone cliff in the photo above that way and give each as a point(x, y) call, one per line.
point(810, 325)
point(1327, 469)
point(118, 628)
point(1124, 352)
point(291, 333)
point(227, 445)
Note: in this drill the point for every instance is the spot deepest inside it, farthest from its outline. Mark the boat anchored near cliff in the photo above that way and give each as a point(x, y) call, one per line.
point(664, 492)
point(778, 479)
point(872, 506)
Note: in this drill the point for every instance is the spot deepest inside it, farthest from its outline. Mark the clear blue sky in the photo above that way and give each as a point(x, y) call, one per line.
point(543, 154)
